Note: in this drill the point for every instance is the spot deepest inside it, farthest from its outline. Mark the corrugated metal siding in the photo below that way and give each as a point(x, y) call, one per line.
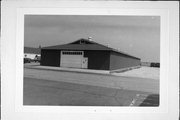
point(50, 58)
point(98, 60)
point(118, 61)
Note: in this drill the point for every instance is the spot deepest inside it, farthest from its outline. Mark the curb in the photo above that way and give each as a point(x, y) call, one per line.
point(124, 69)
point(71, 70)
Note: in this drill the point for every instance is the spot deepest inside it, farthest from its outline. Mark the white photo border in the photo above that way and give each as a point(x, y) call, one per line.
point(87, 8)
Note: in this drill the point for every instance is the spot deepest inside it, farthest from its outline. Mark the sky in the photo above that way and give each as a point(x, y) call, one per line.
point(136, 35)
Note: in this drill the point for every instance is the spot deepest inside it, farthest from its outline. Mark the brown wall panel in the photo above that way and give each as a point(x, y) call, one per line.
point(98, 60)
point(118, 61)
point(50, 58)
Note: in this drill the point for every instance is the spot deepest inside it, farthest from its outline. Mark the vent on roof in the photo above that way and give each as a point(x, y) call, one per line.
point(90, 38)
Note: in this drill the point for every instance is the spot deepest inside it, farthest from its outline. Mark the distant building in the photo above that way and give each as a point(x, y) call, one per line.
point(32, 53)
point(150, 64)
point(155, 64)
point(146, 64)
point(85, 53)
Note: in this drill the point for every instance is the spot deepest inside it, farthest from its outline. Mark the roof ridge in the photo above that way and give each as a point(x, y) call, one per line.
point(77, 46)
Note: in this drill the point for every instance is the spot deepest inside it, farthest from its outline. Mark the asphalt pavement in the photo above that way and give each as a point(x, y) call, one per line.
point(54, 87)
point(45, 92)
point(101, 80)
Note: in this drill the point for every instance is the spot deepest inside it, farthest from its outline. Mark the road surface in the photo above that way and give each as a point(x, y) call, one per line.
point(109, 81)
point(46, 87)
point(45, 92)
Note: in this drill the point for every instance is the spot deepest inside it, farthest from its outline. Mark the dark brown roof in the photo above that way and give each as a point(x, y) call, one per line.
point(89, 45)
point(32, 50)
point(78, 47)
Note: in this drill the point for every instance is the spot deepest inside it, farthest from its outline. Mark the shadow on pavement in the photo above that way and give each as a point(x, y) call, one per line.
point(151, 100)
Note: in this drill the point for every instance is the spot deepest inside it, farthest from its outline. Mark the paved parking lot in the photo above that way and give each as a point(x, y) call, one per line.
point(102, 80)
point(45, 92)
point(46, 87)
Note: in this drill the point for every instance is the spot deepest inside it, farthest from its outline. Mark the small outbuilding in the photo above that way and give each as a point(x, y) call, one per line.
point(87, 54)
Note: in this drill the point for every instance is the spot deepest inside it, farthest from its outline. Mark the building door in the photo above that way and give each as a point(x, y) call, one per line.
point(71, 59)
point(85, 63)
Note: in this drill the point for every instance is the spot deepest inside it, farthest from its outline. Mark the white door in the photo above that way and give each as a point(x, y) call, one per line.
point(71, 59)
point(85, 63)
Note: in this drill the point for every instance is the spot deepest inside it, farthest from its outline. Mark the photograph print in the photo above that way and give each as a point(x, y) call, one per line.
point(91, 60)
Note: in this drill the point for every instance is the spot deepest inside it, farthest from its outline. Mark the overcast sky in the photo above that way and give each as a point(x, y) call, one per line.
point(135, 35)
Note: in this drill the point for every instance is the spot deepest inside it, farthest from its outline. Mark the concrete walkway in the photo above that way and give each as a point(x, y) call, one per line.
point(142, 72)
point(138, 72)
point(37, 66)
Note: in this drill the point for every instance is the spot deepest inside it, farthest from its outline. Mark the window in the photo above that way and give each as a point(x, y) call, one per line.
point(72, 52)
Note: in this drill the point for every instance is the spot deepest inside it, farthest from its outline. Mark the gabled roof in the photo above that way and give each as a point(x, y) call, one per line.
point(76, 45)
point(32, 50)
point(84, 44)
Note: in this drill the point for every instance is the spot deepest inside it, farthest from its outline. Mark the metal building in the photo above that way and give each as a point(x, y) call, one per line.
point(87, 54)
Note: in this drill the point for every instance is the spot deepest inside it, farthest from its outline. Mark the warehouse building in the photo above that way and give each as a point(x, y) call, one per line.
point(87, 54)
